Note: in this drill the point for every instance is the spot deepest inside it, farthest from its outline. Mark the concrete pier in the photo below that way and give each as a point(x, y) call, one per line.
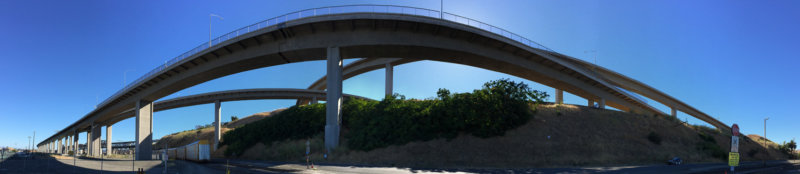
point(217, 124)
point(144, 130)
point(559, 96)
point(333, 110)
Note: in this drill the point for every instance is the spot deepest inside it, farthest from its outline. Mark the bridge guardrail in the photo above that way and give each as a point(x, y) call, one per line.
point(332, 10)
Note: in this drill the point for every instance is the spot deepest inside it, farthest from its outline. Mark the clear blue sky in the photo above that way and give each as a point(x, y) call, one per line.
point(734, 60)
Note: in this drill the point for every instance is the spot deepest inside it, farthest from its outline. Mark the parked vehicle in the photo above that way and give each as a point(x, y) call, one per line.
point(675, 161)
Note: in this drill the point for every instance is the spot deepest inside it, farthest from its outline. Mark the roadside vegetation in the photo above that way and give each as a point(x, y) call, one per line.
point(442, 131)
point(498, 106)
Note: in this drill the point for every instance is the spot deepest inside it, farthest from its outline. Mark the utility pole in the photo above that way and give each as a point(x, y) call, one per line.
point(210, 17)
point(441, 9)
point(34, 139)
point(765, 141)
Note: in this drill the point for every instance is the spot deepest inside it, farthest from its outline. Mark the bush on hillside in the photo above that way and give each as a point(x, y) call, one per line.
point(654, 137)
point(788, 148)
point(710, 146)
point(293, 123)
point(499, 106)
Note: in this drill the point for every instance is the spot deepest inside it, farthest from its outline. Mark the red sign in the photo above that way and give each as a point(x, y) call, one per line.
point(735, 130)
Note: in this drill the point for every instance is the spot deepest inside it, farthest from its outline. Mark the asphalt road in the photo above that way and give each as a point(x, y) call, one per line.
point(245, 166)
point(47, 164)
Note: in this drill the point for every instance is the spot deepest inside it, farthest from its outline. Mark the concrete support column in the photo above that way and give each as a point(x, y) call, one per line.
point(601, 103)
point(314, 100)
point(59, 150)
point(333, 110)
point(108, 140)
point(591, 103)
point(144, 130)
point(75, 142)
point(95, 139)
point(88, 142)
point(217, 123)
point(559, 96)
point(69, 144)
point(674, 112)
point(389, 79)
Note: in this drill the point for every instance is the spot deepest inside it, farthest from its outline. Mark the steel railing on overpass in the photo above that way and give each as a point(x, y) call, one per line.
point(391, 9)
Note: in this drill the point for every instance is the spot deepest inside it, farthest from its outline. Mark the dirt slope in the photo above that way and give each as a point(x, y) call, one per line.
point(578, 136)
point(189, 136)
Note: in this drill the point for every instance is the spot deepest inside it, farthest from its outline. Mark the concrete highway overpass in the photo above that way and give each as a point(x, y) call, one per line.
point(618, 80)
point(370, 32)
point(70, 142)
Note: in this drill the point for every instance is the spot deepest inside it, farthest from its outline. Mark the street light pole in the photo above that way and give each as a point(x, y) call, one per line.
point(211, 17)
point(765, 141)
point(441, 9)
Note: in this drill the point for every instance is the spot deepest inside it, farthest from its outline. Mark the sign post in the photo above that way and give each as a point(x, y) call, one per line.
point(733, 156)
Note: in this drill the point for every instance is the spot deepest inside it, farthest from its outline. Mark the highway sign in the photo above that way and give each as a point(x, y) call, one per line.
point(733, 159)
point(735, 130)
point(734, 144)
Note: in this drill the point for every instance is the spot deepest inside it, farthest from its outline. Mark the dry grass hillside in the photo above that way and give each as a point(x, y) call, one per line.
point(189, 136)
point(559, 135)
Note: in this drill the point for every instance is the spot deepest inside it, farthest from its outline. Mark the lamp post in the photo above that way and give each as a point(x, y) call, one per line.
point(765, 141)
point(211, 17)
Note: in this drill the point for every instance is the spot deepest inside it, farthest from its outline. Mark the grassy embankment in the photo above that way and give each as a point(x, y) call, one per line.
point(552, 135)
point(189, 136)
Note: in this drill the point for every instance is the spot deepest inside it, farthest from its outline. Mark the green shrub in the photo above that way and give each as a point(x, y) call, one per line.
point(752, 152)
point(654, 137)
point(293, 123)
point(499, 106)
point(710, 146)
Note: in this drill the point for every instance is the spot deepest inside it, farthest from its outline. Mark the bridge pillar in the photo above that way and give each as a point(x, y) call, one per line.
point(333, 110)
point(591, 103)
point(217, 124)
point(144, 130)
point(108, 140)
point(674, 112)
point(389, 79)
point(95, 149)
point(69, 144)
point(559, 96)
point(75, 143)
point(88, 142)
point(314, 100)
point(59, 146)
point(601, 104)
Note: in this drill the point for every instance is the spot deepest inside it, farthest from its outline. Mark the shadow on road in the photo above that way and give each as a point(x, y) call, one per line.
point(45, 163)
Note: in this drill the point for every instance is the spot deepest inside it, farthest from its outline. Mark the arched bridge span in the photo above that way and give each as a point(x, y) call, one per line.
point(336, 33)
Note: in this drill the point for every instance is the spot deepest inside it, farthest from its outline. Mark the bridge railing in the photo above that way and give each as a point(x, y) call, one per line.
point(387, 9)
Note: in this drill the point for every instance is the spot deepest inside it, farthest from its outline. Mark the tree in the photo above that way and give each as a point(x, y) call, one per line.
point(234, 118)
point(789, 147)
